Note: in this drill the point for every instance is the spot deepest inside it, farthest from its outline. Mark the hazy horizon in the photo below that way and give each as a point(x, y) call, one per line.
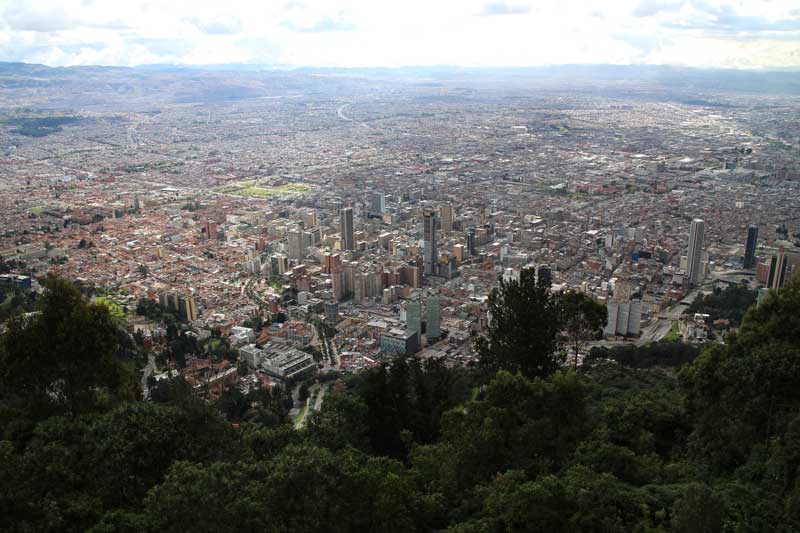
point(751, 35)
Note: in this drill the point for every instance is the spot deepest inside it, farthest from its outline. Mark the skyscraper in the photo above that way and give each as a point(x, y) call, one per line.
point(414, 315)
point(471, 247)
point(377, 203)
point(211, 230)
point(777, 270)
point(331, 312)
point(448, 217)
point(695, 255)
point(430, 255)
point(433, 331)
point(346, 222)
point(188, 308)
point(750, 247)
point(297, 249)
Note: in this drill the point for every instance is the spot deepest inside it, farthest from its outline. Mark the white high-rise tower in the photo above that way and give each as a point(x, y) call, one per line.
point(695, 254)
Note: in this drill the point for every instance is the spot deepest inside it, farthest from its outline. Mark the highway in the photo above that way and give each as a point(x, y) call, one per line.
point(340, 113)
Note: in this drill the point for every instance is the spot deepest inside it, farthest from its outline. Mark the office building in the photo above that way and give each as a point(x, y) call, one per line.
point(459, 252)
point(332, 263)
point(296, 240)
point(777, 270)
point(348, 233)
point(447, 216)
point(694, 257)
point(433, 325)
point(397, 341)
point(337, 284)
point(210, 230)
point(414, 315)
point(430, 255)
point(183, 304)
point(750, 247)
point(278, 360)
point(544, 273)
point(377, 203)
point(471, 246)
point(331, 312)
point(624, 318)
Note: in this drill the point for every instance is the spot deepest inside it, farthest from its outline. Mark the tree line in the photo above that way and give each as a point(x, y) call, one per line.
point(510, 445)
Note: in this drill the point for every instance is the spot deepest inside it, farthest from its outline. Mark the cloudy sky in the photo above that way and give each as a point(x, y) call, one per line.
point(738, 34)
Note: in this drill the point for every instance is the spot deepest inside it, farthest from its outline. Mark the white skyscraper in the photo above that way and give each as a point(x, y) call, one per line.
point(695, 254)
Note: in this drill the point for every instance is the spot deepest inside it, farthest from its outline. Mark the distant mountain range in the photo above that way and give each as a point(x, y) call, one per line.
point(23, 84)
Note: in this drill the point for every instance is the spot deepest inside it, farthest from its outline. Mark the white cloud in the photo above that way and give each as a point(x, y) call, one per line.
point(749, 34)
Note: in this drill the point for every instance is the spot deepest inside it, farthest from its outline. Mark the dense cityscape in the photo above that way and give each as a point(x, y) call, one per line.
point(357, 228)
point(267, 298)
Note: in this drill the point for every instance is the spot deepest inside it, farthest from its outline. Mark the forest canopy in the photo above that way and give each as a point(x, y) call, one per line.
point(411, 445)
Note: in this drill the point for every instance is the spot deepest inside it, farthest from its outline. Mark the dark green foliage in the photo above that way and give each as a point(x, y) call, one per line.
point(659, 354)
point(15, 301)
point(745, 393)
point(303, 488)
point(77, 468)
point(524, 328)
point(403, 448)
point(731, 303)
point(582, 320)
point(699, 510)
point(406, 400)
point(344, 422)
point(65, 358)
point(40, 126)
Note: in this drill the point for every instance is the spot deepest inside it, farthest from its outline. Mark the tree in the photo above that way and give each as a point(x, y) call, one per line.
point(744, 394)
point(341, 422)
point(523, 328)
point(698, 511)
point(583, 320)
point(65, 358)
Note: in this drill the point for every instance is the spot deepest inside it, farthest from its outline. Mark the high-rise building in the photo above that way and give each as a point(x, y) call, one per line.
point(377, 203)
point(447, 216)
point(331, 312)
point(211, 230)
point(777, 270)
point(297, 249)
point(750, 247)
point(310, 219)
point(337, 284)
point(183, 304)
point(430, 255)
point(471, 246)
point(434, 319)
point(694, 257)
point(187, 307)
point(349, 268)
point(333, 263)
point(624, 318)
point(414, 315)
point(163, 299)
point(544, 272)
point(458, 251)
point(348, 234)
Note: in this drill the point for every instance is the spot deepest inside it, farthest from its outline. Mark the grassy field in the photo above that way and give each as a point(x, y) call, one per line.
point(253, 190)
point(674, 332)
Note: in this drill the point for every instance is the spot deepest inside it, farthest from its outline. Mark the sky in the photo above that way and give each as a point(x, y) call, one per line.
point(751, 34)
